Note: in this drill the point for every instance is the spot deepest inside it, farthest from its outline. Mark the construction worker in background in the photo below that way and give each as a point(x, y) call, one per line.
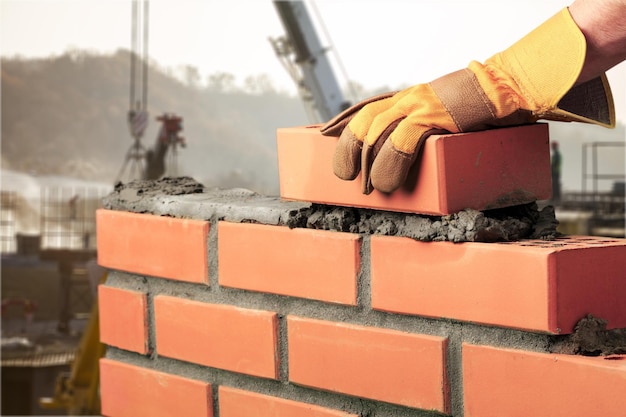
point(556, 72)
point(73, 206)
point(555, 167)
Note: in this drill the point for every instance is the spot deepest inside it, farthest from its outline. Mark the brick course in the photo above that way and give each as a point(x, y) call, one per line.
point(276, 330)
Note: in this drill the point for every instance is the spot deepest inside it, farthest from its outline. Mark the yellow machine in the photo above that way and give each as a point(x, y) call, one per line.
point(78, 390)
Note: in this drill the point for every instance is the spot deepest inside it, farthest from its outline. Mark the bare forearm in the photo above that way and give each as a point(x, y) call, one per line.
point(603, 22)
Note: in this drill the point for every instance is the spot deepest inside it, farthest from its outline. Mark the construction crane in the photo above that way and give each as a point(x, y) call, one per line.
point(301, 53)
point(142, 163)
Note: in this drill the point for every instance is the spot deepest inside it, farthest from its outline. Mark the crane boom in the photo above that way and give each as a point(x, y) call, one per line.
point(301, 52)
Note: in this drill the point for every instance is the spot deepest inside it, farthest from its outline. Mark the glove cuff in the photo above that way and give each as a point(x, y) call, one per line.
point(589, 102)
point(545, 65)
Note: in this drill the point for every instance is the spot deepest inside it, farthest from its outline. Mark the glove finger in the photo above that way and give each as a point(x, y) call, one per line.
point(391, 167)
point(347, 156)
point(369, 154)
point(337, 124)
point(419, 104)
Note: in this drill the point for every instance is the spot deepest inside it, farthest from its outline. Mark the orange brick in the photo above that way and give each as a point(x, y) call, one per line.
point(238, 403)
point(544, 286)
point(315, 264)
point(379, 364)
point(130, 391)
point(480, 170)
point(515, 383)
point(153, 245)
point(219, 336)
point(123, 318)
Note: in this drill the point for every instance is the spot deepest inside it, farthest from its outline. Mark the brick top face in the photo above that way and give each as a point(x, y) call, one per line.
point(568, 242)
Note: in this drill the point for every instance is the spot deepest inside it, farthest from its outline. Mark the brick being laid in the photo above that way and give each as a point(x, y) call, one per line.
point(517, 383)
point(536, 285)
point(480, 170)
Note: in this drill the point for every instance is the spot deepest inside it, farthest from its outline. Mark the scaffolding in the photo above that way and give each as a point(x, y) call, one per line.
point(595, 195)
point(68, 237)
point(592, 171)
point(605, 203)
point(8, 210)
point(68, 217)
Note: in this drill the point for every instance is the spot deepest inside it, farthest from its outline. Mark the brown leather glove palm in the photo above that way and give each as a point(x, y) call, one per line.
point(533, 79)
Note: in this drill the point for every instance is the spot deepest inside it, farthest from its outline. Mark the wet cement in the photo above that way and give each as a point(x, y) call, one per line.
point(165, 186)
point(183, 196)
point(591, 338)
point(508, 224)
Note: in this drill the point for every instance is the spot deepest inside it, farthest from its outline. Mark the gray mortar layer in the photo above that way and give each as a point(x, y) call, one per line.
point(184, 198)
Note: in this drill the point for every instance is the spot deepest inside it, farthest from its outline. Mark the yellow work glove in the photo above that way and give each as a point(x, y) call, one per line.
point(533, 79)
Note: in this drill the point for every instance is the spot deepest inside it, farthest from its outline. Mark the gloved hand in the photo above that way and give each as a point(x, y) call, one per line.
point(533, 79)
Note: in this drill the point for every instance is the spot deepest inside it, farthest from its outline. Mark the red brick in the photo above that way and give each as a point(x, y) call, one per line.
point(220, 336)
point(153, 245)
point(374, 363)
point(314, 264)
point(123, 318)
point(515, 383)
point(238, 403)
point(130, 391)
point(544, 286)
point(480, 170)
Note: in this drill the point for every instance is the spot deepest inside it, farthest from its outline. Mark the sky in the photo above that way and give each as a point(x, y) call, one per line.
point(377, 43)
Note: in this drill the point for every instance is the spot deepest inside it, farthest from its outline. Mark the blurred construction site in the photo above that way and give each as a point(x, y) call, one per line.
point(52, 188)
point(49, 278)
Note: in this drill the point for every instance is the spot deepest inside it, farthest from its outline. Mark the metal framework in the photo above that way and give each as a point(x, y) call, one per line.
point(602, 203)
point(8, 210)
point(305, 59)
point(138, 104)
point(68, 217)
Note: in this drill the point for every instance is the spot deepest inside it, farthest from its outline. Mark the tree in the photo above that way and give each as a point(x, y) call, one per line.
point(221, 82)
point(191, 76)
point(259, 84)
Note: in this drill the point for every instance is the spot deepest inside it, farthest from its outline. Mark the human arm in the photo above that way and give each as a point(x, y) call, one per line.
point(539, 77)
point(603, 22)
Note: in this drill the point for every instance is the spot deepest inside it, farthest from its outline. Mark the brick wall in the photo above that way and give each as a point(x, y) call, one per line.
point(215, 306)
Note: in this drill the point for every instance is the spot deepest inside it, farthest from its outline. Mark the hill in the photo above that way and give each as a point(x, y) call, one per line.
point(66, 115)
